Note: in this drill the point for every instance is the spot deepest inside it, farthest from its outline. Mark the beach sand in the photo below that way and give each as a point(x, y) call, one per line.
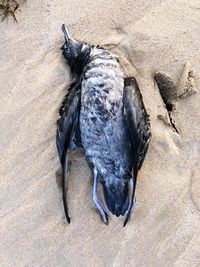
point(148, 36)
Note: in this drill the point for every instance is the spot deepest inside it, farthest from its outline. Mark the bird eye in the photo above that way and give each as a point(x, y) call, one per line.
point(67, 50)
point(65, 47)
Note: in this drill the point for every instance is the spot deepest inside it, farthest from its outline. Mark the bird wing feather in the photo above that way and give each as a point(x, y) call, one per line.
point(66, 123)
point(139, 129)
point(66, 127)
point(137, 120)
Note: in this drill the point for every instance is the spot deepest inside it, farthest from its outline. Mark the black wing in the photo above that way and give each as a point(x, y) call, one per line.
point(66, 127)
point(139, 129)
point(137, 120)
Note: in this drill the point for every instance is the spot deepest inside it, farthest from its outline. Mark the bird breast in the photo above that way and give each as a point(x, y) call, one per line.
point(103, 130)
point(102, 87)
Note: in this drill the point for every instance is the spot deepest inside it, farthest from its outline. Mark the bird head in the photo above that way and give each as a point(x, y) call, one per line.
point(73, 52)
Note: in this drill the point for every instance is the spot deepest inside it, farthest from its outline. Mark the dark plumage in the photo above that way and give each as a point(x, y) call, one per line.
point(104, 113)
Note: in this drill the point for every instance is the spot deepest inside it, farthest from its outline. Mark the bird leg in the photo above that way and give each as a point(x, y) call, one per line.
point(96, 200)
point(131, 203)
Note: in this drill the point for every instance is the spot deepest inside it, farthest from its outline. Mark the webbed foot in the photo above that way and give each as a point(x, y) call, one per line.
point(96, 200)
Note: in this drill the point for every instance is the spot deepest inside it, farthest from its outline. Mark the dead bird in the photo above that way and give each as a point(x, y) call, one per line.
point(104, 113)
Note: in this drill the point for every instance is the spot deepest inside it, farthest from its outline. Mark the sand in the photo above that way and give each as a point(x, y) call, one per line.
point(148, 36)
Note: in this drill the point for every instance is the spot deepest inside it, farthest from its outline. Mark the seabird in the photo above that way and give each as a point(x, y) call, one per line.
point(104, 113)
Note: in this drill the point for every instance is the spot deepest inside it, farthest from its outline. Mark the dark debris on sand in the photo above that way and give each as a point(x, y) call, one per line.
point(8, 8)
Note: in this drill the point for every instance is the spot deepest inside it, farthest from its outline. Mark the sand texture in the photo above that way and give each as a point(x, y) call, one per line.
point(149, 37)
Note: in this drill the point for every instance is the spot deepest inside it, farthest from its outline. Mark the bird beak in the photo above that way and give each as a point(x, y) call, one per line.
point(66, 34)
